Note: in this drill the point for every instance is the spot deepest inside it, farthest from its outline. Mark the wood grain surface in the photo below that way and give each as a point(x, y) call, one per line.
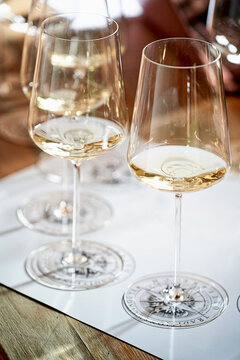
point(30, 330)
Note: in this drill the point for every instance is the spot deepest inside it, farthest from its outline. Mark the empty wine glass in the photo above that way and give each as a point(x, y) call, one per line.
point(50, 212)
point(79, 53)
point(178, 143)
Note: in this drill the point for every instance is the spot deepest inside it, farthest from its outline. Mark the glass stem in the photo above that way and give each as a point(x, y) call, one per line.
point(65, 176)
point(76, 207)
point(178, 211)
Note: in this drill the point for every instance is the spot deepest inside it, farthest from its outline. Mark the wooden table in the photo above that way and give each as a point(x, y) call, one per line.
point(30, 330)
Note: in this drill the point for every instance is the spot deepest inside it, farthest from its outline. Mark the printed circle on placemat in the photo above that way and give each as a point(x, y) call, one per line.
point(49, 265)
point(146, 300)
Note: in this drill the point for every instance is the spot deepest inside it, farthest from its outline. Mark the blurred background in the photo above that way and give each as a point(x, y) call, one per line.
point(143, 21)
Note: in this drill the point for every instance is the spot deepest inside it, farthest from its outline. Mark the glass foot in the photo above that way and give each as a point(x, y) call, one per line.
point(51, 213)
point(93, 266)
point(151, 300)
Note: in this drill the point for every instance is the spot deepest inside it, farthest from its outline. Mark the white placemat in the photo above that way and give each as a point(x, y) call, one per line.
point(143, 224)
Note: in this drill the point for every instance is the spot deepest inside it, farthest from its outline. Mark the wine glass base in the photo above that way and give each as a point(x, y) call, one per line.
point(148, 300)
point(51, 213)
point(95, 265)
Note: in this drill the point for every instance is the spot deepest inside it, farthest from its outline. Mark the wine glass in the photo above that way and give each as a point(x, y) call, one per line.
point(223, 24)
point(12, 28)
point(13, 24)
point(114, 168)
point(49, 212)
point(178, 143)
point(80, 53)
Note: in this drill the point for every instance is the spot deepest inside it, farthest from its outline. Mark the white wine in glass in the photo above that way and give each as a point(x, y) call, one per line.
point(179, 143)
point(46, 212)
point(78, 54)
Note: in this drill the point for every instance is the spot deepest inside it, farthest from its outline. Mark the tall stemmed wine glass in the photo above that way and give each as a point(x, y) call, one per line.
point(178, 143)
point(51, 211)
point(80, 53)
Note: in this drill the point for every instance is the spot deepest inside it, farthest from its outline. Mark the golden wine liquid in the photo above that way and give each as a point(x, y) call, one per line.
point(178, 168)
point(77, 137)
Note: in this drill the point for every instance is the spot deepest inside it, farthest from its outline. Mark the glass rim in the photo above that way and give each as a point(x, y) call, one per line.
point(62, 15)
point(217, 58)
